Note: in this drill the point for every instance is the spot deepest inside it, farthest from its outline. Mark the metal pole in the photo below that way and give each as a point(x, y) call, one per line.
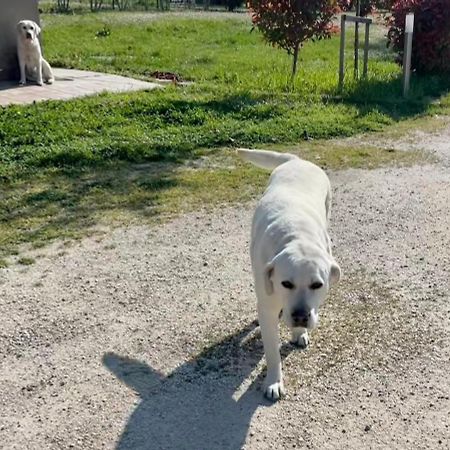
point(356, 67)
point(409, 28)
point(366, 50)
point(342, 53)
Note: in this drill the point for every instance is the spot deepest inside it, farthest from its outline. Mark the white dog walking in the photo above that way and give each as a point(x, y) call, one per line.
point(292, 263)
point(32, 65)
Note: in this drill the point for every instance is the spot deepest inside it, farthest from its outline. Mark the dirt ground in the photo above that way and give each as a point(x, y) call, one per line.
point(145, 338)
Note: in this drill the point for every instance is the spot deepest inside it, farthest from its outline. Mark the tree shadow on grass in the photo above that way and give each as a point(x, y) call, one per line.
point(200, 405)
point(67, 204)
point(386, 96)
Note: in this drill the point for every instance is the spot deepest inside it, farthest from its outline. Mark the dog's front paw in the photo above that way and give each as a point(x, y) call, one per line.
point(275, 390)
point(40, 83)
point(22, 83)
point(300, 338)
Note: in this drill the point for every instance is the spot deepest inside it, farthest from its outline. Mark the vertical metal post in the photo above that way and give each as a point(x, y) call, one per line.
point(356, 66)
point(366, 50)
point(409, 28)
point(342, 53)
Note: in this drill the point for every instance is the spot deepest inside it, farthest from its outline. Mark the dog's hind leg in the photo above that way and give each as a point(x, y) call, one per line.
point(47, 72)
point(328, 204)
point(39, 73)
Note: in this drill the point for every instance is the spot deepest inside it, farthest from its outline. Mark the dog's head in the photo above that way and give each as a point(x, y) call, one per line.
point(28, 30)
point(301, 280)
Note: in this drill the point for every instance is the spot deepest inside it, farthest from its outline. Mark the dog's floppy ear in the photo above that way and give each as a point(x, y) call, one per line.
point(268, 271)
point(38, 29)
point(335, 272)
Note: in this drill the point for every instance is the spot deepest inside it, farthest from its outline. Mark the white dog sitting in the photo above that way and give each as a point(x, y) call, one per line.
point(292, 264)
point(32, 65)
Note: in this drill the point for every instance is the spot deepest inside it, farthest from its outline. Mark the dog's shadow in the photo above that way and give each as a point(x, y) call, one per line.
point(200, 405)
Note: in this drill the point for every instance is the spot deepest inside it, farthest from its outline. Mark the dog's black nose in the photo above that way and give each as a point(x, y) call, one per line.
point(300, 317)
point(28, 35)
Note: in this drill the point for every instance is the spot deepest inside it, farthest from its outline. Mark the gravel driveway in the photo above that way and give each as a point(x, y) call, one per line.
point(145, 338)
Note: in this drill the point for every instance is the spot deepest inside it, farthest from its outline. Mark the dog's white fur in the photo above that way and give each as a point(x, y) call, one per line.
point(31, 63)
point(292, 263)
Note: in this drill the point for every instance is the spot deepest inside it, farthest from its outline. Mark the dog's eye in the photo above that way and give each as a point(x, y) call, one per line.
point(31, 28)
point(316, 285)
point(287, 284)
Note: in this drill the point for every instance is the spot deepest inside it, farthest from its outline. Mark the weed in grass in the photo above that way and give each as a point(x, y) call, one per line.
point(104, 32)
point(25, 261)
point(3, 263)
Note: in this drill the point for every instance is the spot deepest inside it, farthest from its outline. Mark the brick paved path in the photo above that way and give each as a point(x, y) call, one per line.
point(69, 84)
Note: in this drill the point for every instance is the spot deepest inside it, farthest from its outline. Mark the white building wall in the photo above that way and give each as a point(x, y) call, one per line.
point(11, 12)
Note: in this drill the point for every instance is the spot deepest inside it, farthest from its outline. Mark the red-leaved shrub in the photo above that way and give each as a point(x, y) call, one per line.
point(431, 38)
point(289, 23)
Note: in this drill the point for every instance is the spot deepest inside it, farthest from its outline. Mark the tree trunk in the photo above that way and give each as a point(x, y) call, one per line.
point(294, 63)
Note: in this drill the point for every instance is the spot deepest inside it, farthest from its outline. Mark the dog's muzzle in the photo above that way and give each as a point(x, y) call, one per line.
point(300, 317)
point(28, 35)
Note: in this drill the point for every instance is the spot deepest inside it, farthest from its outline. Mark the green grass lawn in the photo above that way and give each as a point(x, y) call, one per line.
point(67, 166)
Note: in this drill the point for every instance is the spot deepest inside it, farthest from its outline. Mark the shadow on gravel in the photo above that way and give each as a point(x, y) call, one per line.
point(198, 405)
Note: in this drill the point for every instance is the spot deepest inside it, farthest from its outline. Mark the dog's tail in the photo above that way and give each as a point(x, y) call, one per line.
point(265, 158)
